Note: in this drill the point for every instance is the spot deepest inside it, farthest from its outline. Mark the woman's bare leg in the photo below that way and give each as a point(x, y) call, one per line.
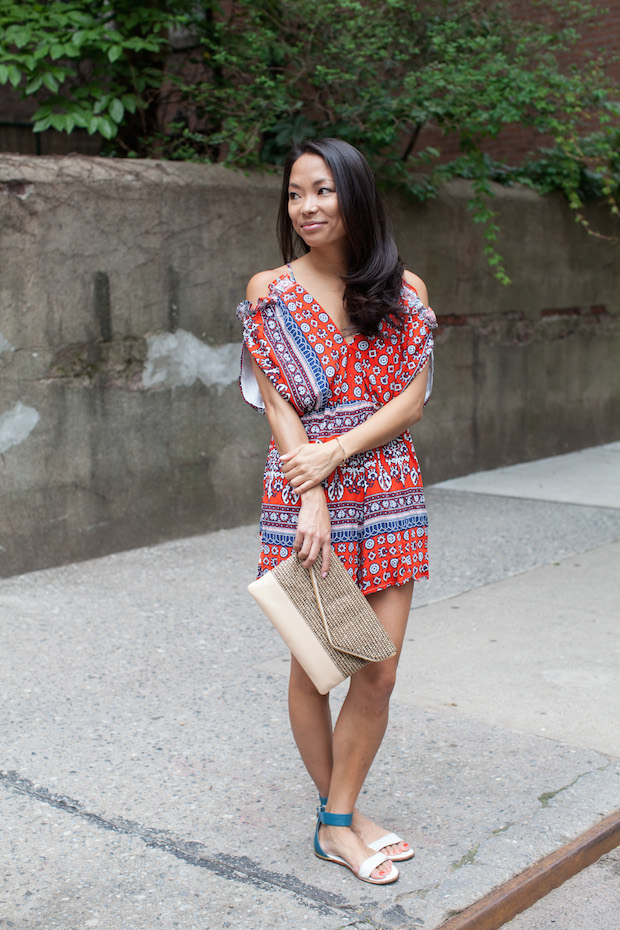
point(363, 720)
point(311, 723)
point(358, 733)
point(392, 606)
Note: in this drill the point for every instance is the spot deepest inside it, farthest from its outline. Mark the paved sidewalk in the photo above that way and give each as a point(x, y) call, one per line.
point(148, 777)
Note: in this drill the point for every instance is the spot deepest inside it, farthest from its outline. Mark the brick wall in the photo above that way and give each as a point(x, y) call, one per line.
point(515, 141)
point(512, 145)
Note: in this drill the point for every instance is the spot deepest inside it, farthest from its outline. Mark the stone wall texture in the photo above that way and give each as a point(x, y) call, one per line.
point(121, 421)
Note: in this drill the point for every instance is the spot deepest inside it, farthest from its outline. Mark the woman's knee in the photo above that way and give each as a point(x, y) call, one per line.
point(300, 684)
point(376, 682)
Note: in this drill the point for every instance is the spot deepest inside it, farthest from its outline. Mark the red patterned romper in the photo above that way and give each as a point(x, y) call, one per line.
point(375, 499)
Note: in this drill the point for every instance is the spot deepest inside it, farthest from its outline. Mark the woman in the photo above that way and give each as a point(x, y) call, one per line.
point(336, 350)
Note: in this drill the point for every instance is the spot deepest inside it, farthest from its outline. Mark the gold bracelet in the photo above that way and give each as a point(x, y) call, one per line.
point(337, 438)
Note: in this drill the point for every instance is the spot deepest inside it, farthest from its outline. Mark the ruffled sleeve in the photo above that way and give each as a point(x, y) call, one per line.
point(417, 339)
point(256, 346)
point(273, 339)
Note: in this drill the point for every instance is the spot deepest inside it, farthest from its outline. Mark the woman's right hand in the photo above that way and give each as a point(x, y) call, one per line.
point(314, 530)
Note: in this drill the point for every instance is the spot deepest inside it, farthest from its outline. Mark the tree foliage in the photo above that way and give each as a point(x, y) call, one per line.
point(89, 64)
point(378, 74)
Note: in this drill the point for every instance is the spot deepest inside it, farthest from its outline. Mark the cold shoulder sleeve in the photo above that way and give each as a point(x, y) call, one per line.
point(273, 339)
point(417, 339)
point(257, 346)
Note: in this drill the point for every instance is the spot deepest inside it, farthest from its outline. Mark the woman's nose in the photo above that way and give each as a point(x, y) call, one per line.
point(309, 204)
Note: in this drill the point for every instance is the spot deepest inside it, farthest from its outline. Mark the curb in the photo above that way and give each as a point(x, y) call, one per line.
point(524, 890)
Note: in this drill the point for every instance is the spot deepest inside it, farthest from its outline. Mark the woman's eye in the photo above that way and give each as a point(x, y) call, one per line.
point(325, 190)
point(292, 195)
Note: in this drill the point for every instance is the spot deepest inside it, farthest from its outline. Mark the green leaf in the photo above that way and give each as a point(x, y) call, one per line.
point(130, 102)
point(81, 119)
point(116, 110)
point(59, 121)
point(42, 124)
point(4, 74)
point(50, 82)
point(15, 75)
point(115, 52)
point(18, 35)
point(41, 51)
point(34, 85)
point(101, 104)
point(106, 127)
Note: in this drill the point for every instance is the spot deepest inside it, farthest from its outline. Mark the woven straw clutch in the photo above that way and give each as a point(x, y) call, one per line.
point(327, 623)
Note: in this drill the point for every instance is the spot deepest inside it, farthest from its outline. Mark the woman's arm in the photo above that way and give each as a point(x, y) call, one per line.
point(313, 524)
point(418, 285)
point(286, 426)
point(313, 533)
point(305, 466)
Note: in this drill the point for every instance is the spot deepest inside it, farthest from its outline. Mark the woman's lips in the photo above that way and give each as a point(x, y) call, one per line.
point(310, 226)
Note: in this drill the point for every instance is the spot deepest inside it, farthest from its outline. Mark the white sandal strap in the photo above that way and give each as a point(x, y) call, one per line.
point(390, 839)
point(370, 864)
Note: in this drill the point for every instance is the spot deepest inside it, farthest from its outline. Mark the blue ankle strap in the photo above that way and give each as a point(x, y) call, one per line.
point(335, 820)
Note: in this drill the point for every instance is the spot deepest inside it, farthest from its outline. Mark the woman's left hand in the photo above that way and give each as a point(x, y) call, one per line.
point(310, 463)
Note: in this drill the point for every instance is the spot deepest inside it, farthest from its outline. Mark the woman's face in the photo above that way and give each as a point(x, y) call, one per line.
point(313, 203)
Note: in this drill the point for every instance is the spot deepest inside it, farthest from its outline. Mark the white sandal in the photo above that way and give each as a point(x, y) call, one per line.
point(392, 839)
point(368, 865)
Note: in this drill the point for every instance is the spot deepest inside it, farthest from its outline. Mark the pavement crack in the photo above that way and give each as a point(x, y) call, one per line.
point(546, 796)
point(419, 892)
point(503, 829)
point(467, 859)
point(234, 868)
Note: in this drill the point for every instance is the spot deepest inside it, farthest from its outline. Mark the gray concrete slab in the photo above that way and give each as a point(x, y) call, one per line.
point(147, 773)
point(538, 653)
point(63, 873)
point(591, 477)
point(478, 539)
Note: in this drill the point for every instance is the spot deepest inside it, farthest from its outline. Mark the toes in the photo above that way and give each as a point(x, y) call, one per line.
point(382, 870)
point(395, 850)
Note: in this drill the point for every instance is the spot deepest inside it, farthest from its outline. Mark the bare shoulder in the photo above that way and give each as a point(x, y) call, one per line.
point(258, 285)
point(418, 285)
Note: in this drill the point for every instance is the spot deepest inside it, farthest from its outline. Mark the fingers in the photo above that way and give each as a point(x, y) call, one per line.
point(327, 554)
point(296, 470)
point(307, 465)
point(309, 552)
point(302, 483)
point(295, 480)
point(291, 455)
point(307, 546)
point(313, 532)
point(294, 474)
point(301, 480)
point(302, 486)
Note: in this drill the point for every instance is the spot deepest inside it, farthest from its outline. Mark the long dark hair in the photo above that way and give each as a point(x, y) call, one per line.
point(374, 276)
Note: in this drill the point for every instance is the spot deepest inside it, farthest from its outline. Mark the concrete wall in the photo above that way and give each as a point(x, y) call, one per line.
point(121, 422)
